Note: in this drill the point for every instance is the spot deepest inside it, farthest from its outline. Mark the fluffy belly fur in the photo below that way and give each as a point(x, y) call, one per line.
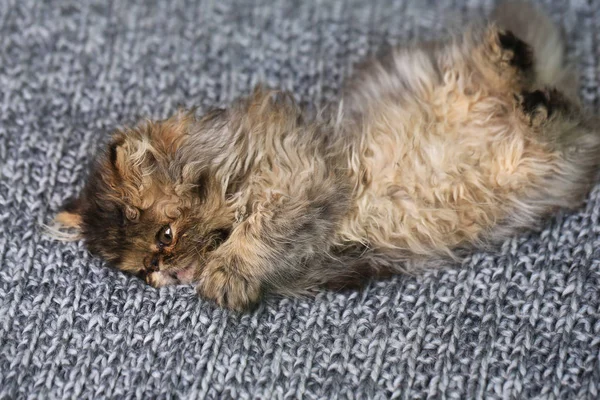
point(442, 157)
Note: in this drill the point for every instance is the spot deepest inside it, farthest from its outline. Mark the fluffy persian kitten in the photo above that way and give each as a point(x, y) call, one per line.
point(436, 149)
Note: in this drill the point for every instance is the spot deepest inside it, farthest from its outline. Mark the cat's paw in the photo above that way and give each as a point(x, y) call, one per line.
point(505, 60)
point(538, 106)
point(222, 282)
point(535, 107)
point(508, 50)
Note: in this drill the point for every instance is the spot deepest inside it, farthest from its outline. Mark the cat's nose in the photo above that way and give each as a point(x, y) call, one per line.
point(154, 264)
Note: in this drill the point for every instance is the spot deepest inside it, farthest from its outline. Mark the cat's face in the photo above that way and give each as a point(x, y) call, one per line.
point(144, 208)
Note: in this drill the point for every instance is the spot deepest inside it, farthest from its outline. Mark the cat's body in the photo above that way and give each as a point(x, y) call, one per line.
point(436, 148)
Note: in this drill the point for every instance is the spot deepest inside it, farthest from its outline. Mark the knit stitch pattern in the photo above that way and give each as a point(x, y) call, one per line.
point(520, 322)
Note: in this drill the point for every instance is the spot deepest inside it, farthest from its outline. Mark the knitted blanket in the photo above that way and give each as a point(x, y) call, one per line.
point(521, 322)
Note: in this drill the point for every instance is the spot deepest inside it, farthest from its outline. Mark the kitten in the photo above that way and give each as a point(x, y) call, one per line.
point(437, 149)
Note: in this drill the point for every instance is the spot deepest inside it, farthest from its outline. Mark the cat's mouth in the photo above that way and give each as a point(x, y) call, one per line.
point(181, 276)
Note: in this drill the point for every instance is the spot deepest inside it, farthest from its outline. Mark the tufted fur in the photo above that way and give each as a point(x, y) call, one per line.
point(434, 149)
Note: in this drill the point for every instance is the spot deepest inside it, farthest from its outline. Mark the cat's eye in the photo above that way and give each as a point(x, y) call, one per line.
point(165, 236)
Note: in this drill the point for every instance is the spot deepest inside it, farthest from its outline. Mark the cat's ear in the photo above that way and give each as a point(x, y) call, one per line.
point(129, 157)
point(118, 153)
point(70, 217)
point(113, 148)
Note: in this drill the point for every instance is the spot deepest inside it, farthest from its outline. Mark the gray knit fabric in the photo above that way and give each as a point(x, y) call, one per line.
point(522, 322)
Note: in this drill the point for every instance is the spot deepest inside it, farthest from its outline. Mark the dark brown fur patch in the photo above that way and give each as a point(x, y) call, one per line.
point(522, 53)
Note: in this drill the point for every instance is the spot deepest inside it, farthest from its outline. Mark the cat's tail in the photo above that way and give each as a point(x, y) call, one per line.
point(535, 27)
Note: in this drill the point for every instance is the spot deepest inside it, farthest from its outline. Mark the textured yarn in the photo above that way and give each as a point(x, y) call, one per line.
point(522, 322)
